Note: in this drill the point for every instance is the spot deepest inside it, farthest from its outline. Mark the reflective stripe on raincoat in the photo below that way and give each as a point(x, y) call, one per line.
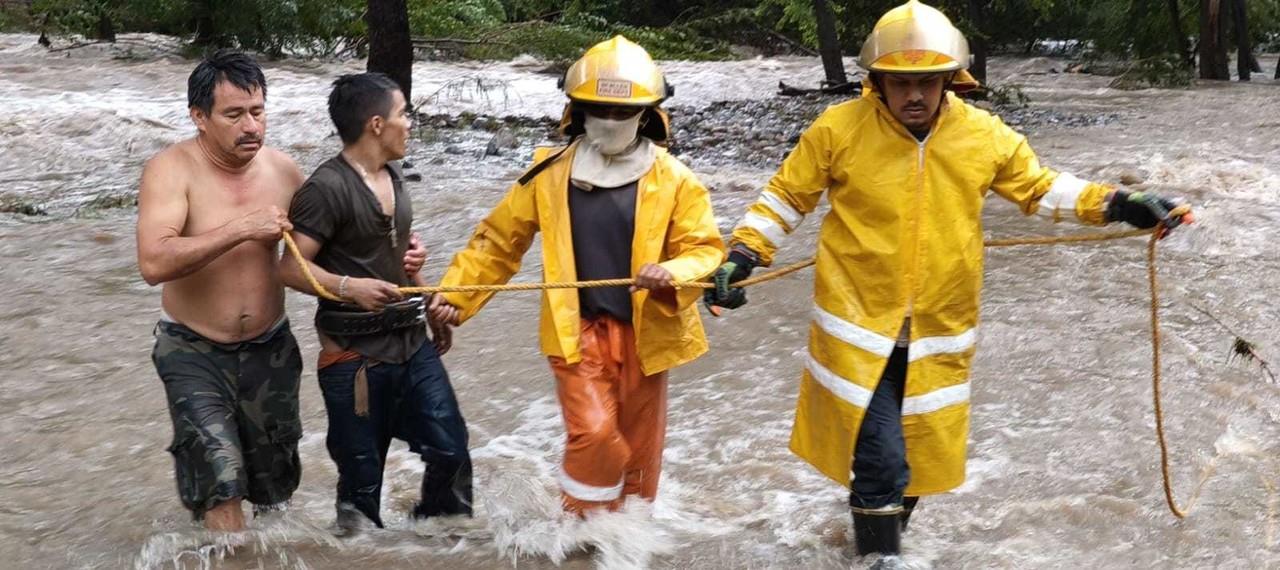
point(674, 228)
point(903, 239)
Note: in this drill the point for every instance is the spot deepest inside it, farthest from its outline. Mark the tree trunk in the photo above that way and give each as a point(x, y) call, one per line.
point(1244, 52)
point(1213, 50)
point(829, 44)
point(206, 29)
point(978, 43)
point(390, 46)
point(106, 29)
point(1180, 36)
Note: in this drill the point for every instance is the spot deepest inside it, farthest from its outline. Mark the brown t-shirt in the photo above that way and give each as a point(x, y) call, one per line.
point(337, 209)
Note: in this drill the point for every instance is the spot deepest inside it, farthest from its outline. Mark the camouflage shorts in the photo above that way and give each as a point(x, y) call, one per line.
point(235, 415)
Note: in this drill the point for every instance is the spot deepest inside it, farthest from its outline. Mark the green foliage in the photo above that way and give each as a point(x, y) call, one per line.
point(559, 40)
point(1133, 30)
point(76, 16)
point(1165, 71)
point(673, 43)
point(1139, 28)
point(793, 18)
point(453, 18)
point(1264, 23)
point(1006, 95)
point(553, 41)
point(525, 10)
point(270, 26)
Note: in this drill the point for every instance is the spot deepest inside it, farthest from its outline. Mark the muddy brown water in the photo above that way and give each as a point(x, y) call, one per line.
point(1063, 467)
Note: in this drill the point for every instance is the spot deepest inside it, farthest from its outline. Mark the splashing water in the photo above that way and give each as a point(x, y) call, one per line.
point(1062, 471)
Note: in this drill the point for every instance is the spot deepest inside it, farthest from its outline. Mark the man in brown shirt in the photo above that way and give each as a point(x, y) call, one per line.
point(380, 377)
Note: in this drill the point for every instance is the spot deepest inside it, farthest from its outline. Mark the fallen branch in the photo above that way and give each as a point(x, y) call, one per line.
point(1240, 348)
point(431, 42)
point(794, 44)
point(839, 89)
point(476, 84)
point(78, 45)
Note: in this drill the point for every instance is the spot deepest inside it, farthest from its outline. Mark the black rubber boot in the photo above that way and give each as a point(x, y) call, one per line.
point(446, 489)
point(908, 506)
point(877, 531)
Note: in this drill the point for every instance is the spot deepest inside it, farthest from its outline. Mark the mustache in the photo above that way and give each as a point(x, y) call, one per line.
point(249, 139)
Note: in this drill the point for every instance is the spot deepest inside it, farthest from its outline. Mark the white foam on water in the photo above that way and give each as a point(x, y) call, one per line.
point(528, 521)
point(1062, 465)
point(269, 538)
point(518, 513)
point(1236, 443)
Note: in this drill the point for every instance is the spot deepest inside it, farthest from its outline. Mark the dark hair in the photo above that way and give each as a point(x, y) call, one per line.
point(225, 65)
point(355, 99)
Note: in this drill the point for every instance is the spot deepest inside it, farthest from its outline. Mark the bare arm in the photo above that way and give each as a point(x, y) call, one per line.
point(164, 254)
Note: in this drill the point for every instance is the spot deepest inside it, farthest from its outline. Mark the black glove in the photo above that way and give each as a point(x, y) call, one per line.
point(1145, 210)
point(724, 295)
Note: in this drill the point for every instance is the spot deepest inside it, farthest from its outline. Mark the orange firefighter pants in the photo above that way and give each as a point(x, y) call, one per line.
point(615, 418)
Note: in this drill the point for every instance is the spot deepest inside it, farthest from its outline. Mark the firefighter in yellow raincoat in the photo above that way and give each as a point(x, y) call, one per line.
point(611, 204)
point(906, 168)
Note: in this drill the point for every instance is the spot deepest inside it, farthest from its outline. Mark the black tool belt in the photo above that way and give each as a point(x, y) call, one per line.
point(344, 319)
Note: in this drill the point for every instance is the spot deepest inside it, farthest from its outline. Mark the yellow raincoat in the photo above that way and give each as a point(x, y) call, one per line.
point(674, 228)
point(903, 239)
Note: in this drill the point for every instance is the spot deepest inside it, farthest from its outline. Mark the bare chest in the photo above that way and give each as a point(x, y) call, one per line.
point(214, 200)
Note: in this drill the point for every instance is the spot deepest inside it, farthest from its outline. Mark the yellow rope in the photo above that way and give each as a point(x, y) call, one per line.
point(1008, 242)
point(1155, 383)
point(325, 293)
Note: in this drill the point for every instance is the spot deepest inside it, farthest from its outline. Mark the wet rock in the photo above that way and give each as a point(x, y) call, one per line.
point(504, 139)
point(454, 149)
point(14, 205)
point(1131, 178)
point(752, 132)
point(410, 173)
point(109, 202)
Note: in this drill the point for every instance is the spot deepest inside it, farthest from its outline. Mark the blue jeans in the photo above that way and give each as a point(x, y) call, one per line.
point(413, 402)
point(880, 471)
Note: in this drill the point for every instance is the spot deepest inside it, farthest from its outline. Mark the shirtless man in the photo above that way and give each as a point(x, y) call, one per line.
point(211, 210)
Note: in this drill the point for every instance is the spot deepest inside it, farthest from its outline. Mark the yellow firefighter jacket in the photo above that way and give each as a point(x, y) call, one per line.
point(674, 228)
point(903, 239)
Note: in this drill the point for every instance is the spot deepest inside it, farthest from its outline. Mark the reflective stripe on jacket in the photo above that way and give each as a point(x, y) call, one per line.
point(903, 238)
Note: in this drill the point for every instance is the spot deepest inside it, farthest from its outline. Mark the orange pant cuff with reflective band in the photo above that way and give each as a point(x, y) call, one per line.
point(615, 420)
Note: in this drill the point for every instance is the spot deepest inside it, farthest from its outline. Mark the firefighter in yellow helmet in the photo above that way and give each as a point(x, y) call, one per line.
point(906, 169)
point(611, 204)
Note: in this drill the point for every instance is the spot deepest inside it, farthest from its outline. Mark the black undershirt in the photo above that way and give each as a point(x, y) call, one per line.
point(603, 222)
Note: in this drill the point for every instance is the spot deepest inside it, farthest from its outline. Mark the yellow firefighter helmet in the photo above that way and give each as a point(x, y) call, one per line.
point(914, 38)
point(616, 72)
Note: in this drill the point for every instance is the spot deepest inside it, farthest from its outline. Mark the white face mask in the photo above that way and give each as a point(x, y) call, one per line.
point(612, 136)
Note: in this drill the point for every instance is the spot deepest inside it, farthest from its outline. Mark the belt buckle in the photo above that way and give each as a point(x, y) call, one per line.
point(421, 316)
